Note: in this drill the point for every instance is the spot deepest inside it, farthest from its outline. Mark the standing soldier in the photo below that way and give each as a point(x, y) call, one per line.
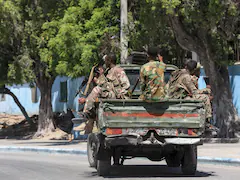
point(152, 76)
point(114, 85)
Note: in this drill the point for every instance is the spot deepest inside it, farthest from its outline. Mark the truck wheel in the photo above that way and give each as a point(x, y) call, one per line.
point(92, 147)
point(172, 160)
point(103, 167)
point(189, 161)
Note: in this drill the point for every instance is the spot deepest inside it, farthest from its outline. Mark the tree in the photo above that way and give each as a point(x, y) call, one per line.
point(11, 67)
point(63, 38)
point(208, 27)
point(84, 35)
point(34, 14)
point(149, 27)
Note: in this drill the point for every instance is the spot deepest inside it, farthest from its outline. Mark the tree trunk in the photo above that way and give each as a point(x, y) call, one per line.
point(7, 91)
point(45, 118)
point(224, 112)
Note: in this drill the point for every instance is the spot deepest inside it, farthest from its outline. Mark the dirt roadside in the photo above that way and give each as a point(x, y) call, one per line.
point(17, 127)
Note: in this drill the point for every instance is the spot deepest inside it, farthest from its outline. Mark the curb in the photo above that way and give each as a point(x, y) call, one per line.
point(220, 140)
point(39, 149)
point(230, 161)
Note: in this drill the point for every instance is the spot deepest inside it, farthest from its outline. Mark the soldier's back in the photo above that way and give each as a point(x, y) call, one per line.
point(177, 88)
point(153, 73)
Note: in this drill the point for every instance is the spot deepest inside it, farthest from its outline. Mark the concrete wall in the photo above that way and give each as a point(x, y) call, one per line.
point(24, 94)
point(234, 72)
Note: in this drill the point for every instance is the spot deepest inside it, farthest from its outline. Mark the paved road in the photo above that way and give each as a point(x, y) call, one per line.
point(28, 166)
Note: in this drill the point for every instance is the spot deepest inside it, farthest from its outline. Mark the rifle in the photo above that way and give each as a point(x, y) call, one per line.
point(134, 87)
point(89, 80)
point(81, 86)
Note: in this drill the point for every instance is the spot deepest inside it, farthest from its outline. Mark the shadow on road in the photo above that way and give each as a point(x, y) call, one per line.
point(150, 171)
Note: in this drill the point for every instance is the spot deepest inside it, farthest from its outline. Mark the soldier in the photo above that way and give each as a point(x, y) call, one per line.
point(114, 85)
point(181, 86)
point(98, 72)
point(195, 76)
point(152, 76)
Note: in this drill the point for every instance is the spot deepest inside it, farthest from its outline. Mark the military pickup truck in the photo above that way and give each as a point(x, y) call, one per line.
point(168, 129)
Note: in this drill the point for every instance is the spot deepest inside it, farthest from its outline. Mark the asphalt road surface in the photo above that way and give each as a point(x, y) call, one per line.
point(35, 166)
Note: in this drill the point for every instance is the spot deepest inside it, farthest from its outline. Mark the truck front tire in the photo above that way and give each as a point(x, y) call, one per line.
point(189, 161)
point(92, 147)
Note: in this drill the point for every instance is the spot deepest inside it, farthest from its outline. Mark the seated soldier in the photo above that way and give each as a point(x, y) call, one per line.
point(152, 76)
point(181, 86)
point(195, 76)
point(114, 85)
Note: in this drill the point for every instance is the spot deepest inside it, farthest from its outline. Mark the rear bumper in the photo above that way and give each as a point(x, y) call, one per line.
point(135, 139)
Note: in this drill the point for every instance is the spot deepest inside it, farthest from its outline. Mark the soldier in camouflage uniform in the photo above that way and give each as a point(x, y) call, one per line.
point(152, 76)
point(195, 76)
point(182, 86)
point(114, 85)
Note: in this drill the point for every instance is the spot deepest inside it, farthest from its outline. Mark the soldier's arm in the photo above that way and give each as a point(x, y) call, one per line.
point(142, 80)
point(124, 81)
point(205, 91)
point(200, 91)
point(190, 86)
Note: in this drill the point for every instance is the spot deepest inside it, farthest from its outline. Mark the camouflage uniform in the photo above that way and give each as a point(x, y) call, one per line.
point(201, 91)
point(152, 80)
point(114, 85)
point(195, 80)
point(182, 86)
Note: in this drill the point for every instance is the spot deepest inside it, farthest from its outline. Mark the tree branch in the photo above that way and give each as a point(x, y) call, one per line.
point(184, 39)
point(7, 91)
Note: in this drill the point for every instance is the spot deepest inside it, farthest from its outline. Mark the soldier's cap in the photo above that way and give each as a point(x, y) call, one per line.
point(198, 66)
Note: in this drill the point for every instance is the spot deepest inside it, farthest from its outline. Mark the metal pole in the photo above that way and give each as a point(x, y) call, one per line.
point(195, 56)
point(123, 35)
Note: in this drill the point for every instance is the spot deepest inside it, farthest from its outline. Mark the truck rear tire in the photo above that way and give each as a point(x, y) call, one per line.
point(92, 147)
point(173, 160)
point(103, 167)
point(189, 161)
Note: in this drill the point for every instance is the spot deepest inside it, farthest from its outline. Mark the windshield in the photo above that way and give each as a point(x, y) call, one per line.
point(133, 75)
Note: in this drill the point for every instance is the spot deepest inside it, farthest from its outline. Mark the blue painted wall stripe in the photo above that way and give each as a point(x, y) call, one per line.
point(23, 92)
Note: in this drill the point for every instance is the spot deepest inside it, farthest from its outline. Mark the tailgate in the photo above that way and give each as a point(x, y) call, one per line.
point(165, 117)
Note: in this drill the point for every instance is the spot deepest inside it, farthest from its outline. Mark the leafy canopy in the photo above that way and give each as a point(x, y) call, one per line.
point(217, 20)
point(51, 37)
point(75, 41)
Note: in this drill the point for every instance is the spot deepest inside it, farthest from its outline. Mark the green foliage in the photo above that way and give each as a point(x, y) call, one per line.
point(149, 26)
point(78, 42)
point(10, 31)
point(54, 37)
point(216, 20)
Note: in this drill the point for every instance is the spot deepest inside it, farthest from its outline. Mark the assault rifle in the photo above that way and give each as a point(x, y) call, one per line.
point(87, 81)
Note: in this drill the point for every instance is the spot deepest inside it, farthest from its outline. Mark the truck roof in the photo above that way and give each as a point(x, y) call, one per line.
point(169, 67)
